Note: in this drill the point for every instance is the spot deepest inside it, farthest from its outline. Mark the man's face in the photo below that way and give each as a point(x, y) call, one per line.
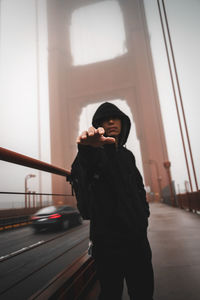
point(112, 126)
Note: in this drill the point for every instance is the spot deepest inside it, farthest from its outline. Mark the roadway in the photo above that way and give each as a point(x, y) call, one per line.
point(29, 261)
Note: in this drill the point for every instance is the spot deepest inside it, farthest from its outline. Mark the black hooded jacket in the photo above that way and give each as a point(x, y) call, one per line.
point(116, 202)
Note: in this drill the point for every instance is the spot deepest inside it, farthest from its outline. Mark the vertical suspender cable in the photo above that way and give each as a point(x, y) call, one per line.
point(38, 93)
point(180, 95)
point(175, 98)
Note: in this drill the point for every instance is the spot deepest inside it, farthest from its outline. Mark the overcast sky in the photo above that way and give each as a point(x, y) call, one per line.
point(19, 66)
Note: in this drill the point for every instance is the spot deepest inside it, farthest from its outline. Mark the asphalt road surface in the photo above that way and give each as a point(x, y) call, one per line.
point(28, 261)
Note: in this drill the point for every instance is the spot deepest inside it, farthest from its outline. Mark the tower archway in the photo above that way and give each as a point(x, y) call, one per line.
point(129, 76)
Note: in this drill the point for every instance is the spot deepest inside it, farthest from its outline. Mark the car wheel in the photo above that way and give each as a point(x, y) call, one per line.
point(65, 224)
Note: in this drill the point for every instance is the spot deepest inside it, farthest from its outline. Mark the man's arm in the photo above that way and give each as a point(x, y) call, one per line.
point(89, 144)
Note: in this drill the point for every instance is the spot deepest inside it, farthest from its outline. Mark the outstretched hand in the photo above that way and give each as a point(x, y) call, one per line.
point(94, 137)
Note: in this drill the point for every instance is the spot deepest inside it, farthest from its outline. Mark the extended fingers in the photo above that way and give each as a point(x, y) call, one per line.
point(83, 136)
point(86, 137)
point(91, 131)
point(109, 140)
point(100, 130)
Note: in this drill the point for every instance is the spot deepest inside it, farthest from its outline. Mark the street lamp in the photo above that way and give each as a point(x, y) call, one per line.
point(26, 188)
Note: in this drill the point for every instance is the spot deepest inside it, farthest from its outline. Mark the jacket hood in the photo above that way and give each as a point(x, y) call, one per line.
point(106, 110)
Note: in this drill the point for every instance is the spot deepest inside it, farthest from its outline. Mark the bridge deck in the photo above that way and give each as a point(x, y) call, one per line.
point(174, 235)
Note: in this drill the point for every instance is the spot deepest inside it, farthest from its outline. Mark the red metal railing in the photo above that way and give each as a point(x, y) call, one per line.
point(74, 281)
point(23, 160)
point(190, 201)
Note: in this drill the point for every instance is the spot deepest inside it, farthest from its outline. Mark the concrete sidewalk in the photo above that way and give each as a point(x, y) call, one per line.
point(174, 235)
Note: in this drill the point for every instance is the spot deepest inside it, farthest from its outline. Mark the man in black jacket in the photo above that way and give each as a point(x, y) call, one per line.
point(116, 206)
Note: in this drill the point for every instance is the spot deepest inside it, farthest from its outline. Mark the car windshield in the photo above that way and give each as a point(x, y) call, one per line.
point(47, 210)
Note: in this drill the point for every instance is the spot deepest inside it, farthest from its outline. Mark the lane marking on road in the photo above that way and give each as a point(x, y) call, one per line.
point(20, 250)
point(8, 256)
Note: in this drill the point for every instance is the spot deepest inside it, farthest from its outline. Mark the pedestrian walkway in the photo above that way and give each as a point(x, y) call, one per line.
point(174, 236)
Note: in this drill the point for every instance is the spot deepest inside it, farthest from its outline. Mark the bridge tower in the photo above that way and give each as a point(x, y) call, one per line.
point(130, 77)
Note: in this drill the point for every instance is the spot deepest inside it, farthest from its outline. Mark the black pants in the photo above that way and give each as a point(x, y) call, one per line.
point(129, 261)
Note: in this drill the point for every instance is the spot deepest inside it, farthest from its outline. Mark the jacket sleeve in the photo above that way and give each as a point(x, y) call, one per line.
point(81, 178)
point(89, 158)
point(141, 189)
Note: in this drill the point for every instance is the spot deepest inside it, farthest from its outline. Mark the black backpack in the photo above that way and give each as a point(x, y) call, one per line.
point(81, 187)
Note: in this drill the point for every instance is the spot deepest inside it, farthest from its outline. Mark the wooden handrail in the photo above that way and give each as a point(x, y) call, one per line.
point(23, 160)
